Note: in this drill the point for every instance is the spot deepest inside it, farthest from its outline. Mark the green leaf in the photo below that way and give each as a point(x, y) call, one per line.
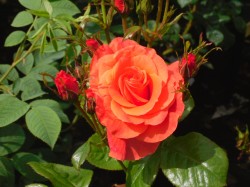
point(239, 24)
point(54, 105)
point(39, 13)
point(215, 36)
point(189, 106)
point(60, 175)
point(35, 5)
point(80, 155)
point(26, 64)
point(184, 3)
point(48, 7)
point(22, 19)
point(40, 28)
point(143, 172)
point(11, 109)
point(21, 160)
point(61, 45)
point(194, 160)
point(14, 38)
point(44, 40)
point(40, 69)
point(48, 58)
point(44, 123)
point(12, 138)
point(53, 40)
point(131, 31)
point(13, 75)
point(99, 155)
point(117, 29)
point(151, 25)
point(31, 88)
point(7, 176)
point(64, 7)
point(165, 29)
point(36, 185)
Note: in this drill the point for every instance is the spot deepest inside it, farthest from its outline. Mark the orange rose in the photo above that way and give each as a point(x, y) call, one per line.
point(137, 97)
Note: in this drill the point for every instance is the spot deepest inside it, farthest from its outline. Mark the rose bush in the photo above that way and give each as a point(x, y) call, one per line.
point(137, 97)
point(66, 84)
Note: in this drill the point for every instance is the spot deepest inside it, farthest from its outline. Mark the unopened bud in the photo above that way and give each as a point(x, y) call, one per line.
point(144, 7)
point(92, 44)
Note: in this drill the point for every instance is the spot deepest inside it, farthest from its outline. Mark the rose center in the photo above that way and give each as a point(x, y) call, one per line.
point(133, 85)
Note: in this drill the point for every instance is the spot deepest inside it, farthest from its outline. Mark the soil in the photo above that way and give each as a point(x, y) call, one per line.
point(221, 94)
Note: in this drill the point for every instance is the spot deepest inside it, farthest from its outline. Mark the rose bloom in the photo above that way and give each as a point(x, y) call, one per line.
point(66, 84)
point(137, 97)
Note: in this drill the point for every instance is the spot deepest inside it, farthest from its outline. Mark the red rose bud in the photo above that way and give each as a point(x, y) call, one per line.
point(92, 44)
point(67, 85)
point(188, 65)
point(120, 5)
point(90, 101)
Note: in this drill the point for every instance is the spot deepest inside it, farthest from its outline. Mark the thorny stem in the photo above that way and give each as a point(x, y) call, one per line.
point(159, 11)
point(124, 23)
point(123, 166)
point(85, 115)
point(104, 19)
point(165, 15)
point(19, 52)
point(189, 24)
point(96, 126)
point(140, 24)
point(18, 60)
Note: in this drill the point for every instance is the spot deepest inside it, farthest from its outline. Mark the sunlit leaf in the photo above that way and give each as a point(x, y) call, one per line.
point(189, 106)
point(11, 109)
point(30, 88)
point(44, 123)
point(194, 160)
point(64, 7)
point(35, 5)
point(99, 155)
point(60, 175)
point(143, 172)
point(14, 38)
point(36, 185)
point(26, 64)
point(38, 71)
point(80, 155)
point(54, 105)
point(184, 3)
point(23, 18)
point(48, 7)
point(131, 31)
point(12, 76)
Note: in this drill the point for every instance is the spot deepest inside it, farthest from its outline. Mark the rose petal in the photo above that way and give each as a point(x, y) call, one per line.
point(120, 43)
point(130, 149)
point(121, 115)
point(121, 129)
point(160, 132)
point(116, 96)
point(156, 91)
